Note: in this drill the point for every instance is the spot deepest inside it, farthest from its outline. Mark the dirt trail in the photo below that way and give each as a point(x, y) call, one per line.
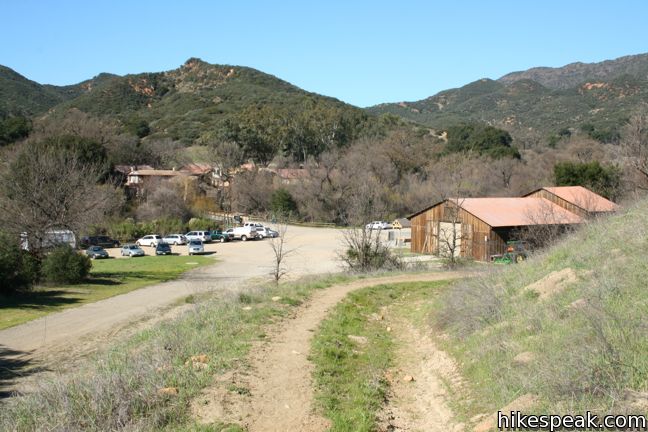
point(276, 394)
point(420, 404)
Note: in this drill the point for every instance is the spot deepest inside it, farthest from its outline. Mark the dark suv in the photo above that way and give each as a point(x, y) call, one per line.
point(221, 236)
point(103, 241)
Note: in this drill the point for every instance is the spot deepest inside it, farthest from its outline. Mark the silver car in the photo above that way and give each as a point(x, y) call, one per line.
point(195, 247)
point(132, 250)
point(267, 232)
point(175, 239)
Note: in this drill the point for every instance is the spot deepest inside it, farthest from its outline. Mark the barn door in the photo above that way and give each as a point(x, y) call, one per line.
point(450, 236)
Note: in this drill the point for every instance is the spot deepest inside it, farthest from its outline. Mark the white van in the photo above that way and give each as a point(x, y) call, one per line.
point(243, 233)
point(203, 236)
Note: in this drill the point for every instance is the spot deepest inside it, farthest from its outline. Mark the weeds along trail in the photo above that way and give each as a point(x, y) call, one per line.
point(276, 392)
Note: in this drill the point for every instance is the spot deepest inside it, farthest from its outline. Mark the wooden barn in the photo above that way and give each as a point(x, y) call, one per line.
point(480, 227)
point(576, 199)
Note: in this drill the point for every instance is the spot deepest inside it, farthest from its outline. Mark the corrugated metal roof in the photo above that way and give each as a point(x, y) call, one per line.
point(158, 173)
point(583, 198)
point(507, 212)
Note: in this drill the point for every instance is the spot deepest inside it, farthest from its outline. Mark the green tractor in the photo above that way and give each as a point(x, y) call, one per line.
point(516, 252)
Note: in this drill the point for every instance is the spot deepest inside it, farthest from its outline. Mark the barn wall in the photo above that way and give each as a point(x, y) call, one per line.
point(479, 240)
point(422, 224)
point(560, 202)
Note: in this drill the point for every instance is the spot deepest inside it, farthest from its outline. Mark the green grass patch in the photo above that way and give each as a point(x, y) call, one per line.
point(350, 376)
point(108, 278)
point(120, 386)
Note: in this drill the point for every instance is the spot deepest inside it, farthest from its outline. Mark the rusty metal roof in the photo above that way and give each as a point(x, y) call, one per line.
point(507, 212)
point(158, 173)
point(583, 198)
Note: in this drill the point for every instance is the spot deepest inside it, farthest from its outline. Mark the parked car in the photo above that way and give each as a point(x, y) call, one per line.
point(149, 240)
point(132, 250)
point(163, 249)
point(103, 241)
point(220, 236)
point(378, 225)
point(97, 252)
point(175, 239)
point(195, 246)
point(243, 233)
point(266, 232)
point(203, 236)
point(253, 224)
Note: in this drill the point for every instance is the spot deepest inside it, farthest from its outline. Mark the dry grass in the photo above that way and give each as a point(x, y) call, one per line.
point(119, 389)
point(588, 340)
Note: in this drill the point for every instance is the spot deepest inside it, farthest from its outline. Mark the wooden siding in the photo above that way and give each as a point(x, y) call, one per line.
point(542, 193)
point(479, 241)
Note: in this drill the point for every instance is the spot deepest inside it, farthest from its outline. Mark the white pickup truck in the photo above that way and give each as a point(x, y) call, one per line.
point(243, 233)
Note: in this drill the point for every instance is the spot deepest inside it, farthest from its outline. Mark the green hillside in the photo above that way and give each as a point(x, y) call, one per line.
point(567, 328)
point(595, 97)
point(200, 101)
point(20, 96)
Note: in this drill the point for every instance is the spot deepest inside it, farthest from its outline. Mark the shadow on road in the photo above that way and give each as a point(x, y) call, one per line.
point(14, 365)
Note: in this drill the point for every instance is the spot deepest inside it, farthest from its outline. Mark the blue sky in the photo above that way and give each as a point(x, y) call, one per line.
point(362, 52)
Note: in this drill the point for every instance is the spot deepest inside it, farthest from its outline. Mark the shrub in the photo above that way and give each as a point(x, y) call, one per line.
point(168, 226)
point(481, 139)
point(200, 224)
point(65, 265)
point(18, 269)
point(365, 252)
point(282, 203)
point(125, 231)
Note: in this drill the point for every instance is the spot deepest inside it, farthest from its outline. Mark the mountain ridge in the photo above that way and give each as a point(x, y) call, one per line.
point(540, 100)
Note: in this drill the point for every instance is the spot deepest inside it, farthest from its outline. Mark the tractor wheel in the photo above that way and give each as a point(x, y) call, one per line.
point(519, 258)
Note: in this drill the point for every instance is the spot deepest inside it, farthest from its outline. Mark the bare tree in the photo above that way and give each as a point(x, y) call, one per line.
point(251, 191)
point(164, 199)
point(77, 123)
point(280, 253)
point(49, 190)
point(449, 233)
point(226, 157)
point(634, 143)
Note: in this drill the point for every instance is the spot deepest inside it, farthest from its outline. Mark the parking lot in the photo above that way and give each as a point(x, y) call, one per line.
point(314, 250)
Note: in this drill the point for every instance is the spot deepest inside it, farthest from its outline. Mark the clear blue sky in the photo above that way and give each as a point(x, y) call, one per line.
point(362, 52)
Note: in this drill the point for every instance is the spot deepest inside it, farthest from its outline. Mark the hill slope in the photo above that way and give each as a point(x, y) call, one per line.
point(199, 101)
point(195, 101)
point(566, 328)
point(573, 74)
point(20, 96)
point(544, 99)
